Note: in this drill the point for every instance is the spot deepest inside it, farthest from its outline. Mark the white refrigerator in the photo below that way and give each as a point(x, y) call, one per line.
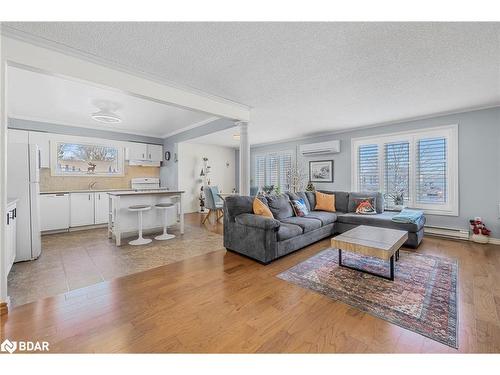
point(23, 182)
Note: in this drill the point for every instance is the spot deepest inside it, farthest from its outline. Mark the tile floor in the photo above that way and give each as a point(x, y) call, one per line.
point(78, 259)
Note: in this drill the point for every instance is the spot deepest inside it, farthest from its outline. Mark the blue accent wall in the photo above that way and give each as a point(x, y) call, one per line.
point(478, 164)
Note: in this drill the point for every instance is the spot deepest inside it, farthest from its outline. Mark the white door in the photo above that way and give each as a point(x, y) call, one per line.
point(155, 152)
point(137, 151)
point(43, 142)
point(54, 211)
point(81, 209)
point(101, 207)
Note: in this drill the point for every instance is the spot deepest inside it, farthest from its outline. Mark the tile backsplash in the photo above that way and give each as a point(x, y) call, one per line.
point(68, 183)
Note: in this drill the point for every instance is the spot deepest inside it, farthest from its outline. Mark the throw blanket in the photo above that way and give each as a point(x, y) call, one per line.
point(408, 216)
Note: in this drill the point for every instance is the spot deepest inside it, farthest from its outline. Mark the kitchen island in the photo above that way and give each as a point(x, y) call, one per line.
point(122, 222)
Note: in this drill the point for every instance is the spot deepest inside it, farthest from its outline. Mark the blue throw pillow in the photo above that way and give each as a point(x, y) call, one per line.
point(299, 207)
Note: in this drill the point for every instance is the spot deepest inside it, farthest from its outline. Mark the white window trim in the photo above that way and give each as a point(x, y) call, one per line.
point(53, 158)
point(448, 131)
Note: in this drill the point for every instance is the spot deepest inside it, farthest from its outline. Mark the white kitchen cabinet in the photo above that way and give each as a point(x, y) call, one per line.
point(136, 151)
point(81, 209)
point(155, 152)
point(11, 234)
point(54, 211)
point(101, 208)
point(43, 142)
point(143, 151)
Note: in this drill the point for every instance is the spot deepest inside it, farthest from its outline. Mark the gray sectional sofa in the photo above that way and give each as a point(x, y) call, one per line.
point(265, 239)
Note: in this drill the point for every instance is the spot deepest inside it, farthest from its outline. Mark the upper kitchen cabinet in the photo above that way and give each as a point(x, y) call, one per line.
point(144, 152)
point(155, 152)
point(43, 142)
point(136, 151)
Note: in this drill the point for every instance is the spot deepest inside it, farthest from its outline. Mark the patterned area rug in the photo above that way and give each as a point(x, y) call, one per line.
point(422, 298)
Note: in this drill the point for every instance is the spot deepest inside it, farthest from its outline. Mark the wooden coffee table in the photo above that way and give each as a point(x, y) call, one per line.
point(375, 242)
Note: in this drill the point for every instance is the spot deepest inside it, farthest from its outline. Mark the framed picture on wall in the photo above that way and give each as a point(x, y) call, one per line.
point(321, 171)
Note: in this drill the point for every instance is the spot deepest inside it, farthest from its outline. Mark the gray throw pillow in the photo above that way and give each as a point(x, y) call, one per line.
point(280, 206)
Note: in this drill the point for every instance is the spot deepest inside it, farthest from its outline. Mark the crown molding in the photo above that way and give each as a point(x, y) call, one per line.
point(38, 41)
point(83, 127)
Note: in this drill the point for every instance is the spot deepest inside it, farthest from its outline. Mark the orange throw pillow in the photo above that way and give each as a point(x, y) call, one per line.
point(325, 202)
point(259, 208)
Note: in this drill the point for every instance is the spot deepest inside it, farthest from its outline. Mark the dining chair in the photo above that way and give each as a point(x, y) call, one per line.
point(213, 202)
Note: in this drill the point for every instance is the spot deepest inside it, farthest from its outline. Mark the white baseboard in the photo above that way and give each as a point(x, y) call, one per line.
point(494, 241)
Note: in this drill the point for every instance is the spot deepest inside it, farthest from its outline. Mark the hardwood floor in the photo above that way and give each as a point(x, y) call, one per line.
point(222, 302)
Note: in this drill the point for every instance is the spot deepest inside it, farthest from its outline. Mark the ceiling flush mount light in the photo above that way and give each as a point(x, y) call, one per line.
point(106, 113)
point(106, 117)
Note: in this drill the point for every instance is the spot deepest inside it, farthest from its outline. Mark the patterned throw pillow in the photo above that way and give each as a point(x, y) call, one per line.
point(365, 206)
point(299, 207)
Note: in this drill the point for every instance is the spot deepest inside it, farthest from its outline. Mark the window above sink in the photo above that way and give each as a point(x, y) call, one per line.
point(86, 159)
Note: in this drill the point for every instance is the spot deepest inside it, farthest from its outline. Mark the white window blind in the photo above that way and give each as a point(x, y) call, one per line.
point(431, 177)
point(419, 166)
point(397, 171)
point(260, 172)
point(368, 169)
point(273, 169)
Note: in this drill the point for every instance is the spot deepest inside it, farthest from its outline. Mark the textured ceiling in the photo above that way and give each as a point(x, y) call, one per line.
point(306, 78)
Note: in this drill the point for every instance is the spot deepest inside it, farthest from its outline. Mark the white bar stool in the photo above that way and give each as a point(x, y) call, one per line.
point(165, 235)
point(140, 208)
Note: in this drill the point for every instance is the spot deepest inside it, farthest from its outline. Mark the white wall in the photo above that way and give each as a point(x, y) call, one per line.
point(190, 163)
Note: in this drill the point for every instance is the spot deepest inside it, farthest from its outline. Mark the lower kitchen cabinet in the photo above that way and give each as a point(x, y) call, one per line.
point(81, 209)
point(54, 211)
point(101, 205)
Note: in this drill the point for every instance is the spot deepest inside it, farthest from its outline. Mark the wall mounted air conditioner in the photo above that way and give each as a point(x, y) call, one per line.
point(311, 149)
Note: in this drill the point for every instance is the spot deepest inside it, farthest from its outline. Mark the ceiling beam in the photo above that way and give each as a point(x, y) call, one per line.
point(23, 54)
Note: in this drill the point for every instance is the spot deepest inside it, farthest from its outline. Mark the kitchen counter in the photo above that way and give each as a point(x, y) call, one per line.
point(82, 191)
point(123, 222)
point(147, 192)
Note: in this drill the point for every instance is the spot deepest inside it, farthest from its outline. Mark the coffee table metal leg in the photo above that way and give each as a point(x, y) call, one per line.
point(391, 264)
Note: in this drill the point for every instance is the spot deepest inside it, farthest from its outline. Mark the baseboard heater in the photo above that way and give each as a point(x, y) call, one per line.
point(459, 234)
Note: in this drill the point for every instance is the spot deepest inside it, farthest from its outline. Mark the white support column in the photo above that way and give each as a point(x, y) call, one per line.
point(244, 159)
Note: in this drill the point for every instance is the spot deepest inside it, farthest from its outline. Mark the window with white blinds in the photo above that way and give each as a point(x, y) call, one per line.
point(415, 169)
point(431, 171)
point(397, 172)
point(368, 169)
point(272, 169)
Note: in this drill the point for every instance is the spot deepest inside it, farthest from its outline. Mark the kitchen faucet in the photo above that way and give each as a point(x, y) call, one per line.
point(92, 184)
